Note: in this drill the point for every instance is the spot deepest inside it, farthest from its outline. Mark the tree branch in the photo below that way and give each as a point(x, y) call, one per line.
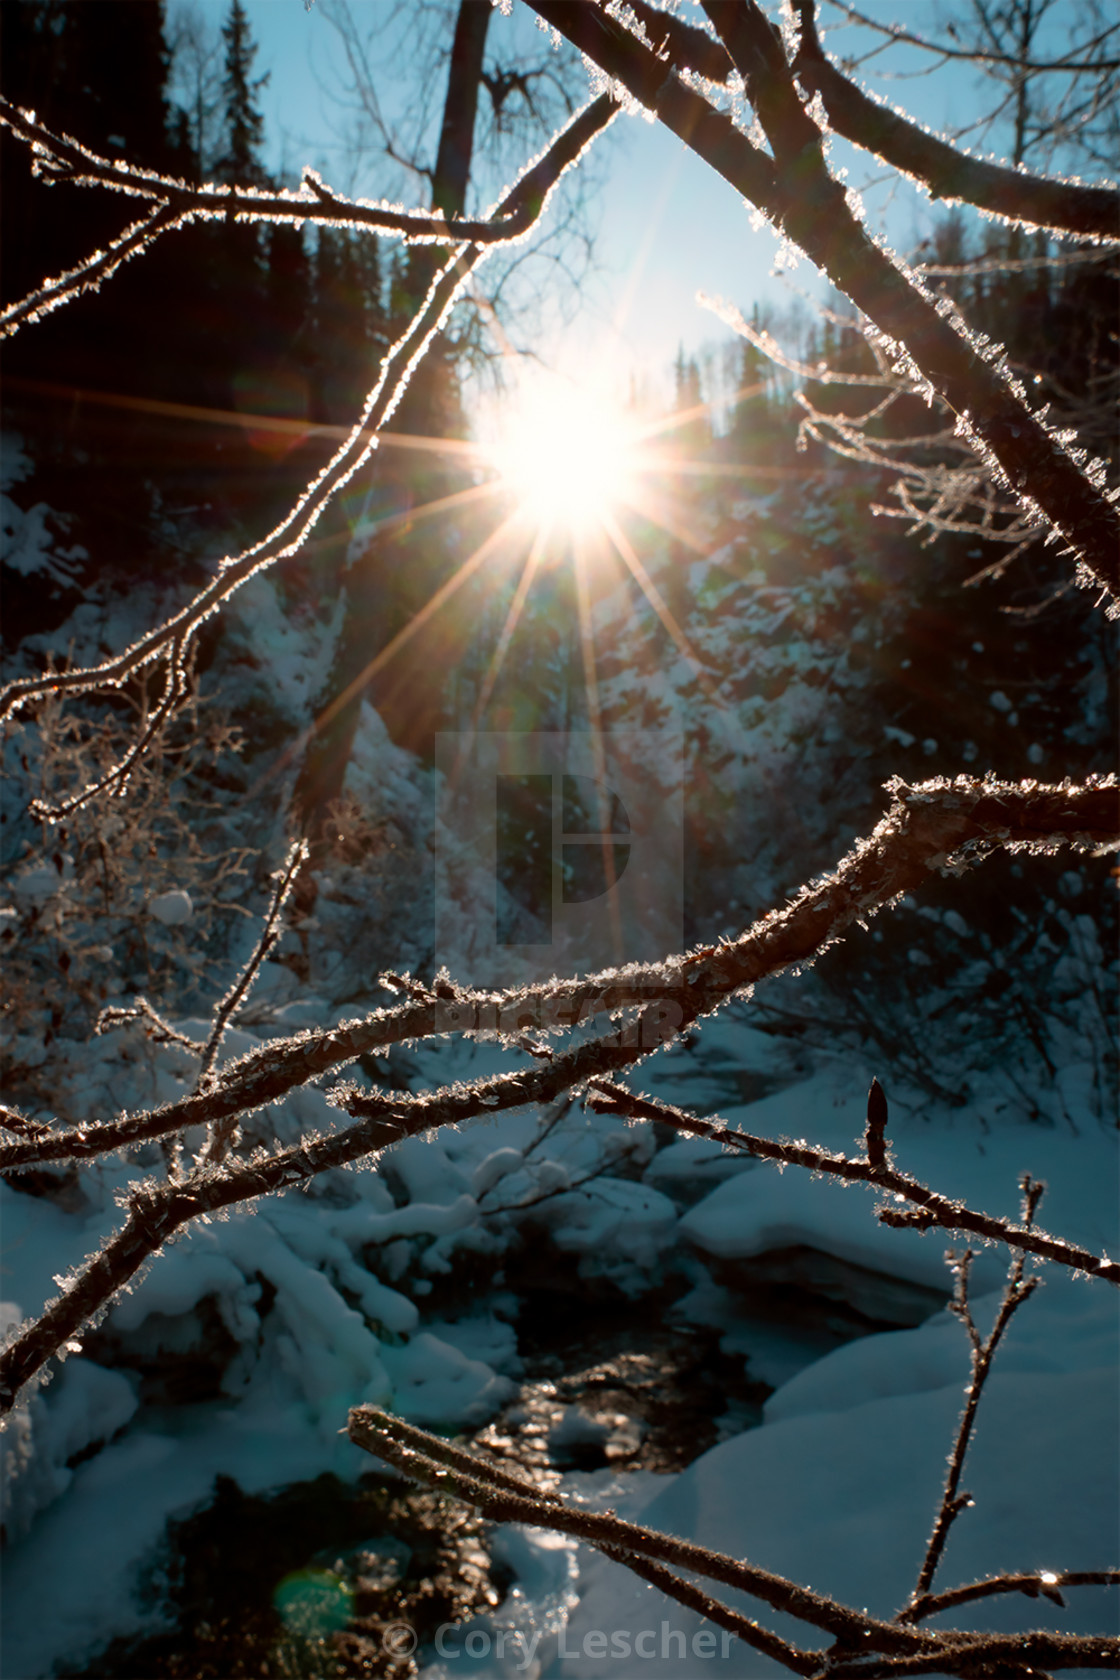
point(947, 172)
point(934, 825)
point(57, 157)
point(531, 191)
point(953, 1501)
point(800, 197)
point(502, 1497)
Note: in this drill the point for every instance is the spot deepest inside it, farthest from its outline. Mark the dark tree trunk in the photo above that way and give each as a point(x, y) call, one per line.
point(374, 605)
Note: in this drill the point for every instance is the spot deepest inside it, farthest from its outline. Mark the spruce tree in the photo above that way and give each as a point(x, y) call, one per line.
point(244, 125)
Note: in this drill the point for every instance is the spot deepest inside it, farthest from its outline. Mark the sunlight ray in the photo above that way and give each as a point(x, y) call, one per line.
point(655, 505)
point(595, 720)
point(454, 583)
point(524, 584)
point(698, 411)
point(661, 607)
point(497, 659)
point(236, 418)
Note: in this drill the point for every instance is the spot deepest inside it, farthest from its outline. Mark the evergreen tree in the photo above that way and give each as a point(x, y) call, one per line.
point(244, 125)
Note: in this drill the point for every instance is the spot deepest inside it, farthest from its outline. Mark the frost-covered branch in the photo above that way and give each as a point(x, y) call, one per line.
point(929, 1208)
point(57, 157)
point(953, 1501)
point(500, 1497)
point(943, 485)
point(806, 204)
point(937, 825)
point(171, 638)
point(88, 275)
point(1024, 200)
point(1045, 1583)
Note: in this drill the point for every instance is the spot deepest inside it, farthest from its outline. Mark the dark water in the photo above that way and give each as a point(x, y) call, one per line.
point(306, 1582)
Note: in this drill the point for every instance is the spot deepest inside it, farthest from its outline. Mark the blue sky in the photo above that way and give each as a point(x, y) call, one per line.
point(666, 226)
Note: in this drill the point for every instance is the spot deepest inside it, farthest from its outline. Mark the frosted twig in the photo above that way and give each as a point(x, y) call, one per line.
point(807, 205)
point(1017, 197)
point(1034, 1583)
point(89, 274)
point(532, 189)
point(930, 826)
point(116, 778)
point(953, 1501)
point(285, 878)
point(11, 1120)
point(221, 1132)
point(118, 1015)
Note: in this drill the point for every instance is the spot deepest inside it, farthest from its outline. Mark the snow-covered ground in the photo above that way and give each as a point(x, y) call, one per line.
point(837, 1488)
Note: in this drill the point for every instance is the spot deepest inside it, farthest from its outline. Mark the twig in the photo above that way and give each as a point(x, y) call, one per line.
point(117, 1015)
point(935, 825)
point(953, 1501)
point(57, 157)
point(533, 189)
point(221, 1132)
point(930, 1208)
point(285, 878)
point(1036, 1583)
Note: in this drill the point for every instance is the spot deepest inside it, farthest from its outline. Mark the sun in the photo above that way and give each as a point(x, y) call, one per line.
point(567, 456)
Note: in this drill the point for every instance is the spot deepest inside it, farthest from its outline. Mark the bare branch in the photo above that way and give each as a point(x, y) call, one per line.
point(531, 190)
point(953, 1501)
point(285, 878)
point(505, 1498)
point(1019, 198)
point(1034, 1584)
point(931, 1209)
point(801, 198)
point(936, 825)
point(57, 157)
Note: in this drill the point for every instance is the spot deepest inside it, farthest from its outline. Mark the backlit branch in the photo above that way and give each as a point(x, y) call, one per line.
point(946, 171)
point(935, 825)
point(953, 1501)
point(797, 193)
point(929, 1208)
point(57, 157)
point(531, 191)
point(501, 1497)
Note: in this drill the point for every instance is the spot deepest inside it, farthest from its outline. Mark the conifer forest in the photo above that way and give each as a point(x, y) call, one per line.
point(558, 918)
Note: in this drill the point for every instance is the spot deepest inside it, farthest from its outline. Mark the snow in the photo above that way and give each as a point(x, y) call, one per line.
point(172, 908)
point(846, 1500)
point(837, 1487)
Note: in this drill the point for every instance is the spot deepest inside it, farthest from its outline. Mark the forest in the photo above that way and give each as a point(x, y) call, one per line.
point(559, 947)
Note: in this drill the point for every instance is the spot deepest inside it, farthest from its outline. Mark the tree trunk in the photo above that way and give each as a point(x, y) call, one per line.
point(368, 623)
